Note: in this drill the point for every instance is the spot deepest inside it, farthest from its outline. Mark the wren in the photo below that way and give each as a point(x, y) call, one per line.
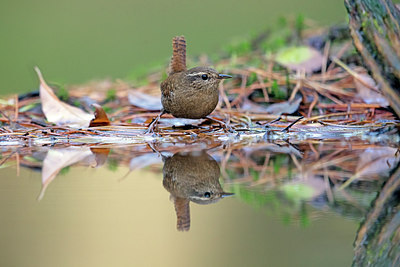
point(191, 176)
point(190, 94)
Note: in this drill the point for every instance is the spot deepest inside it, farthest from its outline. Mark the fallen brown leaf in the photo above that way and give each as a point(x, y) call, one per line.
point(100, 117)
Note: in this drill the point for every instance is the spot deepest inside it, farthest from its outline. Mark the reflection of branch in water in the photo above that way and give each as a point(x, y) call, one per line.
point(191, 176)
point(378, 239)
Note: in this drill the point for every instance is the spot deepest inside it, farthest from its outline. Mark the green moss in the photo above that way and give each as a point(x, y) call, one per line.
point(377, 26)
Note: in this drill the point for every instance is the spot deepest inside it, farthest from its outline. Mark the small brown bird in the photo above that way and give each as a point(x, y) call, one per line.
point(191, 176)
point(190, 94)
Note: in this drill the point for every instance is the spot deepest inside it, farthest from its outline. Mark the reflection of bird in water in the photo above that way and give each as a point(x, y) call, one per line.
point(192, 176)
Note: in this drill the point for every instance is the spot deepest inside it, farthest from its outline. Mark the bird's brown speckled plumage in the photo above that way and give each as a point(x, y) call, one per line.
point(190, 94)
point(186, 95)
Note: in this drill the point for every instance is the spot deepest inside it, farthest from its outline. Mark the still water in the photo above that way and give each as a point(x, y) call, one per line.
point(168, 205)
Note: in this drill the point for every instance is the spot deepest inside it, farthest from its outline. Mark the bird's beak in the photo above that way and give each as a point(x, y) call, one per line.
point(225, 194)
point(224, 76)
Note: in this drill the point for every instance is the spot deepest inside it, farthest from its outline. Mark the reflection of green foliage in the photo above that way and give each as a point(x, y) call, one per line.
point(111, 95)
point(273, 201)
point(65, 170)
point(297, 192)
point(255, 174)
point(278, 162)
point(256, 198)
point(304, 218)
point(112, 164)
point(231, 173)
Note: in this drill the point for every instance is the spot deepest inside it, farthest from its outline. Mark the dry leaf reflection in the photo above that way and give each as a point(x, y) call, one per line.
point(59, 158)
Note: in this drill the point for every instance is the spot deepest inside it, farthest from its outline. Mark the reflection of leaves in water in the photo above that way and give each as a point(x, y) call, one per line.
point(59, 158)
point(65, 170)
point(112, 164)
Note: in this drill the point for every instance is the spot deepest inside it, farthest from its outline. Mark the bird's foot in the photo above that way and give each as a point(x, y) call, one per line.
point(153, 124)
point(225, 126)
point(293, 123)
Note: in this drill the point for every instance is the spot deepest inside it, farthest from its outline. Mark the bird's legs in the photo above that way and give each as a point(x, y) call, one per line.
point(153, 124)
point(293, 123)
point(226, 127)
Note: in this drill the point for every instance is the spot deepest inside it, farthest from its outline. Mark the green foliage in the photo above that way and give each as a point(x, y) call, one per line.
point(299, 24)
point(28, 107)
point(111, 95)
point(276, 91)
point(77, 103)
point(293, 55)
point(139, 74)
point(107, 110)
point(164, 75)
point(239, 47)
point(251, 79)
point(62, 93)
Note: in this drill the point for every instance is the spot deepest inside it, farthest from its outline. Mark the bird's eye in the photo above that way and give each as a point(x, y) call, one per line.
point(207, 194)
point(204, 76)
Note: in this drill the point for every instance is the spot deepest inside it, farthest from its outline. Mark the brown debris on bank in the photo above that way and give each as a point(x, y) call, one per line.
point(340, 99)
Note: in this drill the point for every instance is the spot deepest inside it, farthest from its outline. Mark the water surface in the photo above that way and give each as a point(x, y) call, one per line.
point(124, 206)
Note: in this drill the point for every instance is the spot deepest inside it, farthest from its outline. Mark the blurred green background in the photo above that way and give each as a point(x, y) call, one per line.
point(76, 41)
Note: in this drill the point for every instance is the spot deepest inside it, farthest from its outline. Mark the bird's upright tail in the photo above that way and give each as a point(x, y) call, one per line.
point(178, 60)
